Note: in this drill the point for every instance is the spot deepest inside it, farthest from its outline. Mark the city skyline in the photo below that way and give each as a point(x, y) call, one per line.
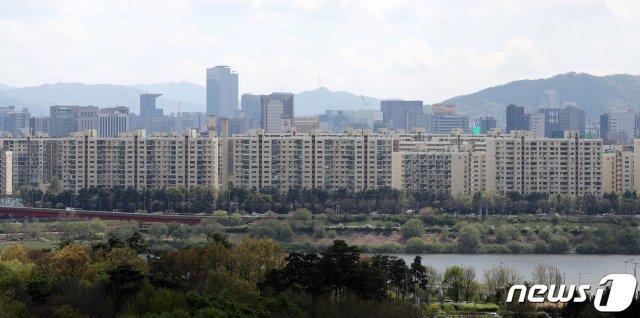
point(388, 49)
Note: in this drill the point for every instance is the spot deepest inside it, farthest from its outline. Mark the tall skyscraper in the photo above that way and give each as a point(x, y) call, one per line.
point(250, 105)
point(403, 114)
point(222, 92)
point(62, 121)
point(276, 112)
point(148, 110)
point(516, 120)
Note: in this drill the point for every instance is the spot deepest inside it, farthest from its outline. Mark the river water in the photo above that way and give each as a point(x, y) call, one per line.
point(585, 269)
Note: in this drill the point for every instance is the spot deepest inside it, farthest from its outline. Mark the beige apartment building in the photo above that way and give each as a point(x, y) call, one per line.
point(355, 160)
point(432, 171)
point(526, 164)
point(618, 170)
point(134, 159)
point(35, 159)
point(6, 172)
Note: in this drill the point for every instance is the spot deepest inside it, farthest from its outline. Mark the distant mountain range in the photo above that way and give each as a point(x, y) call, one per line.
point(595, 94)
point(39, 98)
point(188, 97)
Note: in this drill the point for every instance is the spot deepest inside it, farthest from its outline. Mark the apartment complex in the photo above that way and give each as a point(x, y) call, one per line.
point(355, 160)
point(525, 164)
point(135, 160)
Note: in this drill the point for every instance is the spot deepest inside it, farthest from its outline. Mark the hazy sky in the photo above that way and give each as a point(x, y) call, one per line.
point(428, 50)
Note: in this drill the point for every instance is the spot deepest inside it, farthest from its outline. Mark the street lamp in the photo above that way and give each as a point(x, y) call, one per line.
point(144, 204)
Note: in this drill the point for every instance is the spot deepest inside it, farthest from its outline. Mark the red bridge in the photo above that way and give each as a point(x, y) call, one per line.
point(85, 214)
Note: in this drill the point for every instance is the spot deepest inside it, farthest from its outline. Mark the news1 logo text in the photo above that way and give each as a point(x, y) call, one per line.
point(621, 292)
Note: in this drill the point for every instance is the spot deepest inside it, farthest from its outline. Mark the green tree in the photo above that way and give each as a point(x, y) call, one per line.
point(55, 186)
point(454, 281)
point(158, 230)
point(182, 233)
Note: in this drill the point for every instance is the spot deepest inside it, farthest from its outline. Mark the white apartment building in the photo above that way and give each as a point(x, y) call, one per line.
point(618, 171)
point(525, 164)
point(355, 160)
point(134, 159)
point(443, 172)
point(6, 172)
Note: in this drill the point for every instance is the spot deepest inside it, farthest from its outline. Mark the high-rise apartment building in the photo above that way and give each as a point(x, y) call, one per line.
point(6, 172)
point(136, 160)
point(618, 170)
point(222, 92)
point(525, 164)
point(277, 112)
point(355, 161)
point(432, 171)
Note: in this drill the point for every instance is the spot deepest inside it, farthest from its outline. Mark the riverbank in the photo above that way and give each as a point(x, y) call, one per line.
point(448, 234)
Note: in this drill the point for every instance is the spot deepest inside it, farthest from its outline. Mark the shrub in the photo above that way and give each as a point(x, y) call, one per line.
point(273, 229)
point(468, 239)
point(587, 247)
point(494, 249)
point(415, 245)
point(558, 244)
point(540, 247)
point(520, 248)
point(412, 228)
